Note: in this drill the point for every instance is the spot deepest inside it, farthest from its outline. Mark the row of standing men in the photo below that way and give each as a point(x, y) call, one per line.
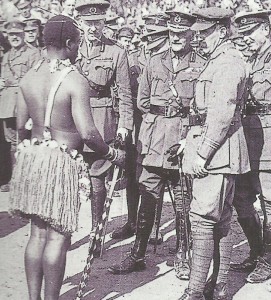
point(217, 149)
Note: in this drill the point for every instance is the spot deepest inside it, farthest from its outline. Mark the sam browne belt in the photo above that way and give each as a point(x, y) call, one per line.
point(170, 111)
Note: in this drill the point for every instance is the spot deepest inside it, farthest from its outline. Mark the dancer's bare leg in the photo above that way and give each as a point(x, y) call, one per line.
point(54, 262)
point(33, 258)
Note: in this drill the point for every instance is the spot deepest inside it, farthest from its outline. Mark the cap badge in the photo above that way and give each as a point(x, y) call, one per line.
point(93, 10)
point(243, 21)
point(177, 19)
point(156, 21)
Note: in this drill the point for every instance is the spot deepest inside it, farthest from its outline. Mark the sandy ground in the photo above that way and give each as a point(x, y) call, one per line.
point(157, 282)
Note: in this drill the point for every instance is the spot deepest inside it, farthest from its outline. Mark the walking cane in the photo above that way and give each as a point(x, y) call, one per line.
point(99, 234)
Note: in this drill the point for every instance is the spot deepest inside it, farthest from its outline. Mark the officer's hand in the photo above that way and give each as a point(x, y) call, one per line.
point(123, 132)
point(176, 152)
point(2, 84)
point(199, 167)
point(120, 158)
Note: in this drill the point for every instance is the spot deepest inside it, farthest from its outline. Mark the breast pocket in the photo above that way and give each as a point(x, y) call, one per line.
point(19, 67)
point(159, 84)
point(102, 71)
point(185, 84)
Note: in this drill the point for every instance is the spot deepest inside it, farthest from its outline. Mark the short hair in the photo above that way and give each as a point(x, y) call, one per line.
point(58, 30)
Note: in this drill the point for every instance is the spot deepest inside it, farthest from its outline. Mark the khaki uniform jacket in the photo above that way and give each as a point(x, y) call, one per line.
point(219, 92)
point(159, 133)
point(105, 65)
point(15, 64)
point(258, 127)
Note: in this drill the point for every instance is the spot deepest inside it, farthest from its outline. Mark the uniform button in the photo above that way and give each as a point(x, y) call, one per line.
point(190, 79)
point(170, 101)
point(88, 61)
point(86, 72)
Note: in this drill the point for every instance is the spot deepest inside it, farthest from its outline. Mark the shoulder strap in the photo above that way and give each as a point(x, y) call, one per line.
point(52, 93)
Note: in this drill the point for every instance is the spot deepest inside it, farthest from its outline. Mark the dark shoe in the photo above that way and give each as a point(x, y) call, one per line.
point(190, 295)
point(248, 265)
point(221, 292)
point(128, 265)
point(4, 188)
point(182, 268)
point(261, 273)
point(124, 232)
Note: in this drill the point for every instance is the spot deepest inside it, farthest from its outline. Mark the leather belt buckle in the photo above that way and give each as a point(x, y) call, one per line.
point(171, 111)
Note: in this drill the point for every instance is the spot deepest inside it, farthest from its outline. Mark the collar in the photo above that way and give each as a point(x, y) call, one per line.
point(184, 61)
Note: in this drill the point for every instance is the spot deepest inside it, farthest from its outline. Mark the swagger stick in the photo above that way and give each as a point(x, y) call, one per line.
point(99, 230)
point(108, 201)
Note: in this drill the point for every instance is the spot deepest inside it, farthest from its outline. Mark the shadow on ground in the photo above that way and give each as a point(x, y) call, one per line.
point(10, 224)
point(104, 284)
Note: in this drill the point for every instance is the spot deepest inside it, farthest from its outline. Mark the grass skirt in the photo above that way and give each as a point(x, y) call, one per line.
point(49, 181)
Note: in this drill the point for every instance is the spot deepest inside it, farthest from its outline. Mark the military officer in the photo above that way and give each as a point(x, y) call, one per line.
point(105, 64)
point(124, 37)
point(16, 62)
point(111, 27)
point(214, 153)
point(32, 32)
point(157, 37)
point(255, 29)
point(68, 8)
point(165, 90)
point(25, 10)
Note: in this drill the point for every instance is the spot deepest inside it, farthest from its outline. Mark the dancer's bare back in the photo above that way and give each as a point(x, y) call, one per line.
point(71, 119)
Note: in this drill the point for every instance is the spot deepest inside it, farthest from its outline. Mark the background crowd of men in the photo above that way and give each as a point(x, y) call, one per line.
point(179, 91)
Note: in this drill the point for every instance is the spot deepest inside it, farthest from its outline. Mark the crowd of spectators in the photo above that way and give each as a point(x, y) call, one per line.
point(133, 10)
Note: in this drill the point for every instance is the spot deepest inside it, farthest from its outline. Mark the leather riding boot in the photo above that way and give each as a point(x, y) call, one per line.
point(135, 261)
point(129, 228)
point(132, 192)
point(97, 205)
point(158, 211)
point(253, 231)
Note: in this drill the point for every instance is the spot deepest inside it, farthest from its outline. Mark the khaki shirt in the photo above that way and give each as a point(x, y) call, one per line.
point(15, 64)
point(158, 86)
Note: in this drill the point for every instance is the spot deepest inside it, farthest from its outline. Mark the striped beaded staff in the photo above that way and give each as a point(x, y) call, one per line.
point(99, 233)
